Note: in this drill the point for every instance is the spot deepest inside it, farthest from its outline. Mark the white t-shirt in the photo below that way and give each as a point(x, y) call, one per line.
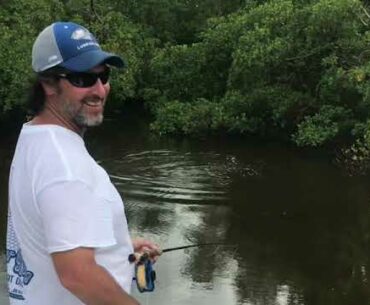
point(60, 199)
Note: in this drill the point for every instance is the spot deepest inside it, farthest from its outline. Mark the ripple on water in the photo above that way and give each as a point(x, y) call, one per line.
point(175, 177)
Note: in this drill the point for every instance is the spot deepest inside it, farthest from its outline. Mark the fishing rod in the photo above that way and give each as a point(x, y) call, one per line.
point(190, 246)
point(133, 257)
point(145, 274)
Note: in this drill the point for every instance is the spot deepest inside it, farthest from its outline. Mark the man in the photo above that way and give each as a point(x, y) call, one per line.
point(67, 241)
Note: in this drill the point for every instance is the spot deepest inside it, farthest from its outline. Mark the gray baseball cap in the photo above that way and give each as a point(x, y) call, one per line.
point(70, 46)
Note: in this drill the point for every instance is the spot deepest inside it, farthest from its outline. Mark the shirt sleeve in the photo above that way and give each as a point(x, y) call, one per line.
point(73, 216)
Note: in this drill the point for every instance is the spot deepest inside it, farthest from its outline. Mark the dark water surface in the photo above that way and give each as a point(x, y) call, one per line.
point(297, 230)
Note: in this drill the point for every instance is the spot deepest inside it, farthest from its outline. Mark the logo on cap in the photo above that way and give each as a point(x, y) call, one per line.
point(82, 34)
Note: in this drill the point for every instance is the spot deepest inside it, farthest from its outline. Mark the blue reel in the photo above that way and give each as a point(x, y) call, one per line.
point(145, 275)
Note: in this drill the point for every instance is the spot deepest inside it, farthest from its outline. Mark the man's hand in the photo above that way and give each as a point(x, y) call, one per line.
point(145, 246)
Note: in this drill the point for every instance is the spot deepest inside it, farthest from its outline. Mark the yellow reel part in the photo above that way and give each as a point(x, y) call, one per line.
point(141, 276)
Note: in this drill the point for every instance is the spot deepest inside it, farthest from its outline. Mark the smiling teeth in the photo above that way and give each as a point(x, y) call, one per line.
point(93, 103)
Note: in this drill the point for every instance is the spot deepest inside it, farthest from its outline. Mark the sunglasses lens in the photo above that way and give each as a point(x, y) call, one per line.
point(104, 76)
point(85, 80)
point(82, 80)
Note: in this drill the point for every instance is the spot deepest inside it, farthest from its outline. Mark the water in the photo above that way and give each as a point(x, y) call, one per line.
point(297, 230)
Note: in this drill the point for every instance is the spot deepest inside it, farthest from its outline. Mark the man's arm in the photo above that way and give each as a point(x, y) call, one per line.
point(92, 284)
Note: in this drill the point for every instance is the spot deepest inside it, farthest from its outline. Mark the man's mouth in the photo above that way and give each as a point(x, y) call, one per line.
point(94, 103)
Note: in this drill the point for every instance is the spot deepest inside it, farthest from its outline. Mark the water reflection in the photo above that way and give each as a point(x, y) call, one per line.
point(294, 231)
point(174, 177)
point(313, 239)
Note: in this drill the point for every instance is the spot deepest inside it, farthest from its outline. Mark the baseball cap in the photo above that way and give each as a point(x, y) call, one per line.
point(70, 46)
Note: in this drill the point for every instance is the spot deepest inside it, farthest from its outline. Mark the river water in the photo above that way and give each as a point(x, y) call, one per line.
point(294, 229)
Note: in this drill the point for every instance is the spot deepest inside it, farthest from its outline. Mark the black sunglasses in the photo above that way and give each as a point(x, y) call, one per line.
point(86, 79)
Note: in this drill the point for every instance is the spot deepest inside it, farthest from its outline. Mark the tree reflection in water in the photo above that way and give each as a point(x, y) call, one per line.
point(299, 231)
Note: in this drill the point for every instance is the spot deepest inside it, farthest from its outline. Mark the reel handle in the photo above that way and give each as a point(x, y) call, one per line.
point(144, 272)
point(140, 257)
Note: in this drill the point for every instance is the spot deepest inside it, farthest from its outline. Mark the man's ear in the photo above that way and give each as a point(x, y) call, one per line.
point(50, 87)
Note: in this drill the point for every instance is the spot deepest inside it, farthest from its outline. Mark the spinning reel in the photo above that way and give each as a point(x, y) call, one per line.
point(144, 272)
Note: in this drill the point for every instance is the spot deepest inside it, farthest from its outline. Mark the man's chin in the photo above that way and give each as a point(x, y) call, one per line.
point(89, 121)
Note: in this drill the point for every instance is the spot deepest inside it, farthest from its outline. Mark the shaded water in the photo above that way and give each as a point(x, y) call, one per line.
point(298, 229)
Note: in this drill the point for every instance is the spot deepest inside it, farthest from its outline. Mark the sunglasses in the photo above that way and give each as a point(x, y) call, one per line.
point(86, 79)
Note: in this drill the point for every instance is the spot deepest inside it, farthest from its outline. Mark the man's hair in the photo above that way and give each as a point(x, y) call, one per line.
point(36, 95)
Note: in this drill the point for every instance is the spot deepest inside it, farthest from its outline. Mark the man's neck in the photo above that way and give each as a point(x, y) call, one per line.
point(50, 115)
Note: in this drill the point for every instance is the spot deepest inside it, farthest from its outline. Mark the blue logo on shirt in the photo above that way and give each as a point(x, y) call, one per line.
point(21, 277)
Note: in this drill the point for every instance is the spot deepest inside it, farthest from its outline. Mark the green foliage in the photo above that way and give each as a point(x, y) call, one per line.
point(174, 21)
point(118, 35)
point(291, 68)
point(262, 108)
point(323, 126)
point(355, 159)
point(197, 117)
point(20, 20)
point(179, 71)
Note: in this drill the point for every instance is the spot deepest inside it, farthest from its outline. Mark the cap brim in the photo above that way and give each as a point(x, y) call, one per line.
point(89, 60)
